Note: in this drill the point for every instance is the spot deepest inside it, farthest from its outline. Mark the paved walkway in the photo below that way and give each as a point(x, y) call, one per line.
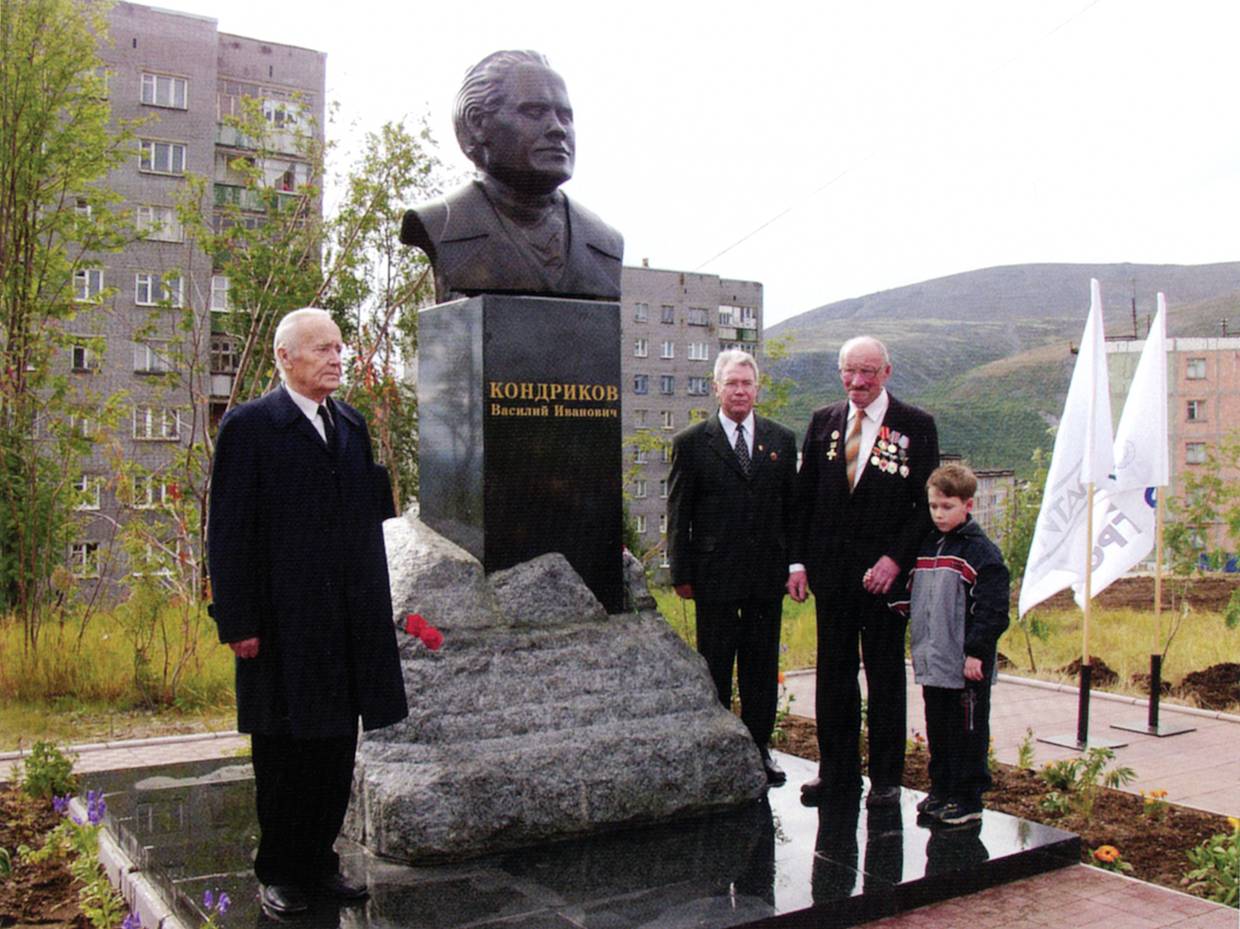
point(1199, 769)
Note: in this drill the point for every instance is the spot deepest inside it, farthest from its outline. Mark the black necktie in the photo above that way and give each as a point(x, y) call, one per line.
point(329, 430)
point(742, 450)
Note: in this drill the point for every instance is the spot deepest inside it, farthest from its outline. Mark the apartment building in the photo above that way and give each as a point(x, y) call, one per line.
point(181, 76)
point(1203, 398)
point(673, 325)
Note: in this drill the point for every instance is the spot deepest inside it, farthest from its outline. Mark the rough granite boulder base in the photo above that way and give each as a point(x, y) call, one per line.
point(546, 720)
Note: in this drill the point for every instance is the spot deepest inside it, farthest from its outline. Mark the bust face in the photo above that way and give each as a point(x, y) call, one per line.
point(530, 143)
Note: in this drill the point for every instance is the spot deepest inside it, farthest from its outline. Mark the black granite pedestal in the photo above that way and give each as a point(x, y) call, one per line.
point(190, 828)
point(519, 432)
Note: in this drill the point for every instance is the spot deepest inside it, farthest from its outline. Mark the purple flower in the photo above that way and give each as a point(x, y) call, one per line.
point(208, 899)
point(60, 804)
point(224, 903)
point(131, 921)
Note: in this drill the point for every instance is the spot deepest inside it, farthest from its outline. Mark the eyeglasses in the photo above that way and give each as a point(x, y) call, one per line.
point(861, 372)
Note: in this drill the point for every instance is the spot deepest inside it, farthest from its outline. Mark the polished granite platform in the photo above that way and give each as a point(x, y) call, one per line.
point(190, 827)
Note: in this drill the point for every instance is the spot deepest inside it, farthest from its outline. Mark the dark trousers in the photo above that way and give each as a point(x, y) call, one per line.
point(843, 619)
point(302, 790)
point(958, 736)
point(744, 632)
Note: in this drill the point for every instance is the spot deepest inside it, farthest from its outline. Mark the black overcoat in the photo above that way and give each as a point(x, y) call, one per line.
point(728, 533)
point(840, 534)
point(296, 558)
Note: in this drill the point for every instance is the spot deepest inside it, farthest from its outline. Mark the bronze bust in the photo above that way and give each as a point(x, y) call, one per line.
point(512, 231)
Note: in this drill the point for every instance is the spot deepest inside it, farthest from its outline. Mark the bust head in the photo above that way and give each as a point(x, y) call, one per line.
point(514, 121)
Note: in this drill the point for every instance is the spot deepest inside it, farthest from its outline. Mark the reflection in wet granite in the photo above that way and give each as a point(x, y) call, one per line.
point(190, 827)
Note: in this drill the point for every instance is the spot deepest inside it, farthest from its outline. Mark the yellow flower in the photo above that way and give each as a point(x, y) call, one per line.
point(1158, 794)
point(1235, 823)
point(1106, 853)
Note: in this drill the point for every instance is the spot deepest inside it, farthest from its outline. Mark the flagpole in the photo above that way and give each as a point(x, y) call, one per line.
point(1156, 653)
point(1082, 710)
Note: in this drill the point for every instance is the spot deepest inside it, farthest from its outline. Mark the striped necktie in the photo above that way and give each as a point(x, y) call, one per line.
point(742, 448)
point(852, 446)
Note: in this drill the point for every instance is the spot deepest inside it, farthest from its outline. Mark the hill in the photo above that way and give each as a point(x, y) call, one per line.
point(988, 352)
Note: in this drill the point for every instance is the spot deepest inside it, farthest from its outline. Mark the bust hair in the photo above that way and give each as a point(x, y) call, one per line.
point(734, 356)
point(286, 331)
point(480, 94)
point(859, 340)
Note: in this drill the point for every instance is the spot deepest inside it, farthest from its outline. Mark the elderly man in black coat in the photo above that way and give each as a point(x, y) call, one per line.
point(300, 585)
point(861, 514)
point(729, 518)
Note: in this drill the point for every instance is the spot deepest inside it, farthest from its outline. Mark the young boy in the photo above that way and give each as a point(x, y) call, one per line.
point(958, 608)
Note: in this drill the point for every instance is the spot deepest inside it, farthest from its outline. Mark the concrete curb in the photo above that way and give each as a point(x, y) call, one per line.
point(131, 743)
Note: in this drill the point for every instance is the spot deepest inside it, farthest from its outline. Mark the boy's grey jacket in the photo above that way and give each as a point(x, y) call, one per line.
point(957, 603)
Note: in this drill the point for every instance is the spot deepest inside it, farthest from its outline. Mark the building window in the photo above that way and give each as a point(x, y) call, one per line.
point(664, 561)
point(80, 426)
point(150, 290)
point(668, 350)
point(165, 90)
point(663, 487)
point(219, 294)
point(641, 525)
point(1195, 453)
point(1196, 411)
point(667, 384)
point(699, 386)
point(84, 357)
point(663, 524)
point(84, 559)
point(699, 351)
point(160, 224)
point(156, 424)
point(669, 313)
point(641, 383)
point(641, 312)
point(89, 490)
point(149, 491)
point(88, 285)
point(639, 488)
point(151, 358)
point(698, 316)
point(639, 418)
point(669, 420)
point(224, 355)
point(667, 452)
point(283, 114)
point(161, 157)
point(698, 414)
point(81, 206)
point(641, 348)
point(640, 455)
point(1195, 369)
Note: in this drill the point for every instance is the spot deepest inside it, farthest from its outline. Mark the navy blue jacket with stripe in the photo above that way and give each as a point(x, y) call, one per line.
point(957, 602)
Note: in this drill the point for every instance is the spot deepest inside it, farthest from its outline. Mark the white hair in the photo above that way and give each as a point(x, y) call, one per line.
point(859, 340)
point(734, 356)
point(286, 327)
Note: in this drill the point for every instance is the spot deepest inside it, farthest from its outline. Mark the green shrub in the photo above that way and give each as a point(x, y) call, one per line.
point(1216, 867)
point(47, 772)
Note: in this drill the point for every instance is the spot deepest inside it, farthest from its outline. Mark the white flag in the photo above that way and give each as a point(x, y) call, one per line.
point(1082, 455)
point(1124, 524)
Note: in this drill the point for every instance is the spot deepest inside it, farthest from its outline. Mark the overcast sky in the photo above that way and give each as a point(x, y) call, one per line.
point(833, 149)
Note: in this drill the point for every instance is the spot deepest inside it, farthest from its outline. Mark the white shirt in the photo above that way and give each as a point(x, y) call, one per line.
point(311, 409)
point(729, 428)
point(870, 424)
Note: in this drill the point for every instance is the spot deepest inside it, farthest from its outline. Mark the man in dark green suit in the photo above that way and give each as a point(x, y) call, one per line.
point(729, 520)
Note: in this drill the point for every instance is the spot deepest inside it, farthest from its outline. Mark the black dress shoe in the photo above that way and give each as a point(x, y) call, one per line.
point(339, 886)
point(282, 899)
point(812, 791)
point(775, 775)
point(882, 796)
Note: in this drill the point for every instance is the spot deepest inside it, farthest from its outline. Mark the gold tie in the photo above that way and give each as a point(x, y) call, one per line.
point(852, 446)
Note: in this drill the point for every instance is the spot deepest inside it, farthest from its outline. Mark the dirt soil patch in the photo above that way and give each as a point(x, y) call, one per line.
point(42, 895)
point(1211, 592)
point(1156, 847)
point(1215, 687)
